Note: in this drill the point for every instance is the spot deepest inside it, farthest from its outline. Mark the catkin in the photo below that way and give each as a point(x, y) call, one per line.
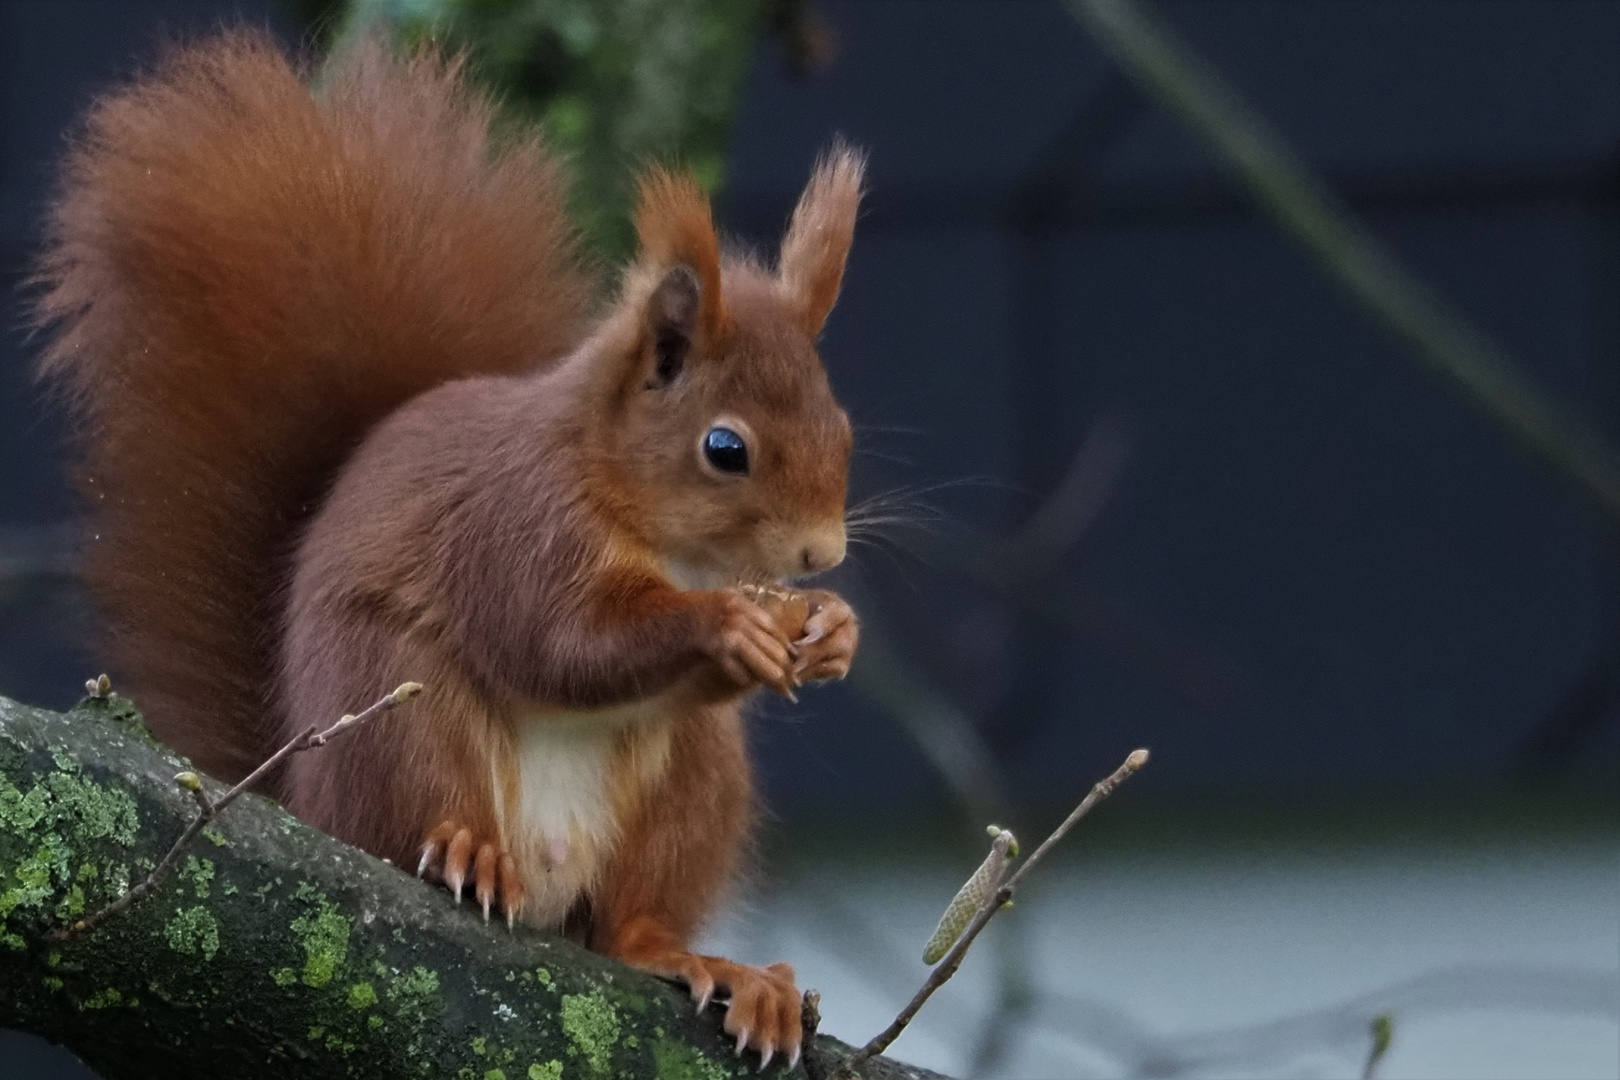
point(968, 899)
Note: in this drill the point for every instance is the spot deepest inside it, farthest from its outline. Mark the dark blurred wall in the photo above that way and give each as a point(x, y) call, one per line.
point(1320, 564)
point(1393, 590)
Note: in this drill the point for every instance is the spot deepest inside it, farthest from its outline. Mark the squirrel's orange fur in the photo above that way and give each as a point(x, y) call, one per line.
point(345, 420)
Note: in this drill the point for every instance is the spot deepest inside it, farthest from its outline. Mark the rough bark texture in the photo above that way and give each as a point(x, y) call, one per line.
point(276, 951)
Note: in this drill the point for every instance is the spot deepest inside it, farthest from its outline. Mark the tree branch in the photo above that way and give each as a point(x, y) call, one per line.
point(208, 809)
point(276, 951)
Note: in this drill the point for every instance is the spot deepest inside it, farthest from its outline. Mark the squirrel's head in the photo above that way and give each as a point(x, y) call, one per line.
point(724, 428)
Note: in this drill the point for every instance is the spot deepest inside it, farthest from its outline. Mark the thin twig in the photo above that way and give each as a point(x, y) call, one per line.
point(208, 810)
point(1099, 791)
point(994, 899)
point(1152, 54)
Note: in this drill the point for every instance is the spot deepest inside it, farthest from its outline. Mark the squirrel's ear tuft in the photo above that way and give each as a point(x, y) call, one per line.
point(675, 229)
point(818, 237)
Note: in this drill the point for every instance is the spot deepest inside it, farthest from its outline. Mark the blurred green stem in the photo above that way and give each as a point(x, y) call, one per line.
point(1382, 1030)
point(1151, 53)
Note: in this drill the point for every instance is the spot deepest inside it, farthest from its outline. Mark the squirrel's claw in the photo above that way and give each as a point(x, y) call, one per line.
point(484, 876)
point(451, 856)
point(828, 643)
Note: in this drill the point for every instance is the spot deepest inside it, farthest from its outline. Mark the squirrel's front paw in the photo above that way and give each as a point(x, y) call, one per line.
point(748, 646)
point(453, 856)
point(828, 643)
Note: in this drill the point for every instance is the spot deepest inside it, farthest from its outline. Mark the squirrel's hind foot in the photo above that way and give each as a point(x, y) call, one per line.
point(763, 1006)
point(452, 856)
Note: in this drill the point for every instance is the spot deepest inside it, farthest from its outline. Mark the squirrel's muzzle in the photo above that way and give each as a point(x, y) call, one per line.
point(822, 550)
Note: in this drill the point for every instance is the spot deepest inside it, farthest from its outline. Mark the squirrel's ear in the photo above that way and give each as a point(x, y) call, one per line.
point(672, 322)
point(818, 237)
point(676, 233)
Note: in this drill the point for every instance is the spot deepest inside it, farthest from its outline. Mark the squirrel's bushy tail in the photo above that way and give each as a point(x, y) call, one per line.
point(242, 275)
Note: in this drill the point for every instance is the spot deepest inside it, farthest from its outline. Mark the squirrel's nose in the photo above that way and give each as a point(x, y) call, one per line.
point(823, 552)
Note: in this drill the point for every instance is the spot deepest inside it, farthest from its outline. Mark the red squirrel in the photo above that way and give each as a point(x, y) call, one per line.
point(345, 418)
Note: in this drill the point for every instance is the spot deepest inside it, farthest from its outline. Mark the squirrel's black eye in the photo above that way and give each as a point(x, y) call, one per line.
point(726, 451)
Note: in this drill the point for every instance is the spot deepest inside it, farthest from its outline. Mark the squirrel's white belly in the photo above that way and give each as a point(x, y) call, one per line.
point(567, 816)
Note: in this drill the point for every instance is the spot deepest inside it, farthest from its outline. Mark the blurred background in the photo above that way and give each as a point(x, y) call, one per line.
point(1148, 474)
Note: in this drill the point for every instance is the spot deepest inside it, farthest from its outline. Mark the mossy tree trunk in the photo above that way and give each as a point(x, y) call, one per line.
point(276, 951)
